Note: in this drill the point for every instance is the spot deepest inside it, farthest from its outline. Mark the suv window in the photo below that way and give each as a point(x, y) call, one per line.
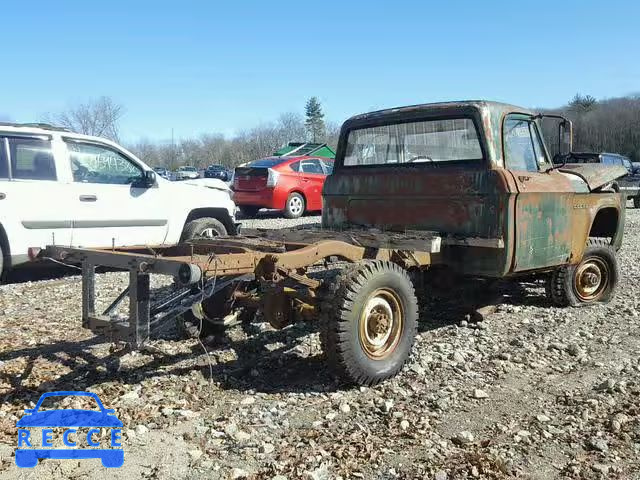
point(91, 163)
point(4, 166)
point(429, 141)
point(311, 166)
point(31, 159)
point(522, 147)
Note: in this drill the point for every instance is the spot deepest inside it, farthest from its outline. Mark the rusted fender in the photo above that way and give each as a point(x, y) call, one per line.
point(595, 174)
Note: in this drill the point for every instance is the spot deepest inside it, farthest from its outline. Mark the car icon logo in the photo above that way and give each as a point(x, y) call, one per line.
point(70, 420)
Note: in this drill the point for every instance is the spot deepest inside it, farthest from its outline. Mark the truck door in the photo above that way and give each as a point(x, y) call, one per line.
point(544, 202)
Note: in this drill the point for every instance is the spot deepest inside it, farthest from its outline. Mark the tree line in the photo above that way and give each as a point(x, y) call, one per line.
point(611, 125)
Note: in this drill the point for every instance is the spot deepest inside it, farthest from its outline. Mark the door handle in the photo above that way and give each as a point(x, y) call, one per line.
point(524, 178)
point(2, 196)
point(88, 198)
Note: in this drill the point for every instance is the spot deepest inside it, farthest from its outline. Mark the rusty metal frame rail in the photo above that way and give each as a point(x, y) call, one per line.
point(196, 265)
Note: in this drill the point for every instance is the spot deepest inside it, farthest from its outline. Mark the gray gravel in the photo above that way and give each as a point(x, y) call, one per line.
point(533, 392)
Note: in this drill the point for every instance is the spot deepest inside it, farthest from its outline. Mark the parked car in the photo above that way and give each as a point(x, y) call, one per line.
point(629, 184)
point(217, 171)
point(59, 187)
point(163, 172)
point(291, 184)
point(187, 172)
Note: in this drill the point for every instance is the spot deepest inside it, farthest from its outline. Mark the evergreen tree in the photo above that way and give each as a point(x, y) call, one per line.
point(315, 119)
point(582, 103)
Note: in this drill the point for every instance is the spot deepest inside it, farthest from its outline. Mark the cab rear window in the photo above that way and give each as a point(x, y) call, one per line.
point(428, 142)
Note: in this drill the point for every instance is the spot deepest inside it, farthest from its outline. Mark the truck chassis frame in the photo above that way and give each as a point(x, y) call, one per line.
point(277, 260)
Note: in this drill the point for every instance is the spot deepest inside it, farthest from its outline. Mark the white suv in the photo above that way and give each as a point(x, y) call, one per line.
point(59, 187)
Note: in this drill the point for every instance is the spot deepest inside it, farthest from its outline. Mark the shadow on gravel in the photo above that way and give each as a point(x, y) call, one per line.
point(37, 272)
point(455, 301)
point(268, 361)
point(286, 368)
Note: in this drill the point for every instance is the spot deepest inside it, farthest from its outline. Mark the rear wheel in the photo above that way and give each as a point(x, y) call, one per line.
point(593, 280)
point(369, 321)
point(295, 206)
point(249, 211)
point(203, 228)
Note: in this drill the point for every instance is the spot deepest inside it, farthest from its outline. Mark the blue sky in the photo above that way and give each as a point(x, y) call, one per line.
point(208, 66)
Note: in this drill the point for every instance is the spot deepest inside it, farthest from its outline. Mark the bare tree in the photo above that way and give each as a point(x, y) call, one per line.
point(99, 117)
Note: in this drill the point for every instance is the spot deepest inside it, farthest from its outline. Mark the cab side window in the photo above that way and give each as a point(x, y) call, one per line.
point(91, 163)
point(522, 146)
point(31, 159)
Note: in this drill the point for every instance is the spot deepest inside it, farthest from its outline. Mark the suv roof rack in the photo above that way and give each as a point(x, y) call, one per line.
point(43, 126)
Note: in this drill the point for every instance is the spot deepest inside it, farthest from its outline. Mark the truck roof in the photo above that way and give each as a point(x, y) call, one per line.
point(485, 106)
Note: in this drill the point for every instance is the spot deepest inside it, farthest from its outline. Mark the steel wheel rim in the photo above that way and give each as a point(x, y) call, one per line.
point(208, 233)
point(381, 324)
point(295, 205)
point(592, 279)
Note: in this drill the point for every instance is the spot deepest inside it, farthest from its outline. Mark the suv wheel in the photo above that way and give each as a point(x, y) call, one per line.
point(295, 206)
point(593, 280)
point(203, 228)
point(2, 262)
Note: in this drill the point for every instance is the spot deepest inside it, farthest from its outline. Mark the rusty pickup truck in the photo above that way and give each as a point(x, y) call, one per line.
point(465, 186)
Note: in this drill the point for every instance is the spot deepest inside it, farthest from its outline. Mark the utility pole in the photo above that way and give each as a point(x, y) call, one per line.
point(173, 151)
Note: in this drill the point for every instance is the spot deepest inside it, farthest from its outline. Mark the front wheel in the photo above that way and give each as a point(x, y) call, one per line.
point(295, 206)
point(593, 280)
point(369, 321)
point(203, 228)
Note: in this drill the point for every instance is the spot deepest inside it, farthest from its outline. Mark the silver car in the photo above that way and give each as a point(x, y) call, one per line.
point(187, 172)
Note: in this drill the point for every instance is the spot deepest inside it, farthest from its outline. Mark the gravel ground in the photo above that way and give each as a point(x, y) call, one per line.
point(533, 392)
point(269, 219)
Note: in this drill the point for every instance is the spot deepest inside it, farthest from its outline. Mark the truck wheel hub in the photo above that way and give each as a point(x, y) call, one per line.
point(380, 324)
point(592, 278)
point(208, 233)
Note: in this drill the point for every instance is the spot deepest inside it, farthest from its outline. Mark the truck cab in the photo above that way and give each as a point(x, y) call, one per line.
point(476, 171)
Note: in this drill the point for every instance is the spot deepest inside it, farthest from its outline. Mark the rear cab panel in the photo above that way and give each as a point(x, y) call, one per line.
point(465, 198)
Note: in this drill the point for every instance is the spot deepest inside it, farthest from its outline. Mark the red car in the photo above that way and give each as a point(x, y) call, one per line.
point(290, 184)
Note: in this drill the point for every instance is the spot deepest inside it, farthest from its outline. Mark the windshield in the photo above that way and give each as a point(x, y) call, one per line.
point(430, 141)
point(188, 169)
